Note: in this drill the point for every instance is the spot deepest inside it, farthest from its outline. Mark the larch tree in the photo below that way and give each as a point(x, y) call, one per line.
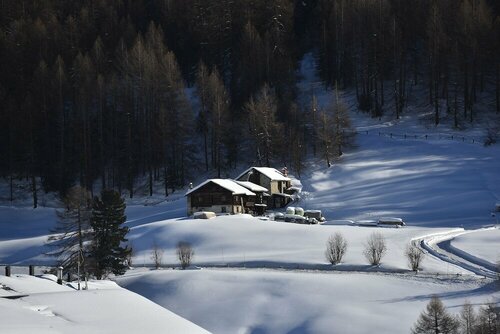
point(343, 131)
point(59, 86)
point(265, 130)
point(468, 318)
point(70, 237)
point(326, 139)
point(489, 319)
point(219, 112)
point(435, 320)
point(202, 124)
point(179, 119)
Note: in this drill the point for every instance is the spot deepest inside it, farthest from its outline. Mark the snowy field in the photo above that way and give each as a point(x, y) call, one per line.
point(243, 240)
point(46, 307)
point(483, 245)
point(264, 301)
point(428, 183)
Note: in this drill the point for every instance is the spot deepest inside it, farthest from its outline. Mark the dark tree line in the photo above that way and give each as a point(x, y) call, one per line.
point(449, 46)
point(94, 92)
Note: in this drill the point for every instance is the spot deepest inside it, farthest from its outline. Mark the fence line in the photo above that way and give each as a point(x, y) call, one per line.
point(436, 137)
point(24, 269)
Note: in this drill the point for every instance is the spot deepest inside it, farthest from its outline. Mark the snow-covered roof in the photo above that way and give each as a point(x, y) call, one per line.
point(282, 195)
point(227, 184)
point(271, 173)
point(252, 186)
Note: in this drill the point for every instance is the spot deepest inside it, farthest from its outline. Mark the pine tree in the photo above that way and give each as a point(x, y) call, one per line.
point(107, 252)
point(435, 320)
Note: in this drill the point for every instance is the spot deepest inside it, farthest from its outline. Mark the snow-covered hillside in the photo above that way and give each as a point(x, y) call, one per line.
point(481, 245)
point(46, 307)
point(263, 301)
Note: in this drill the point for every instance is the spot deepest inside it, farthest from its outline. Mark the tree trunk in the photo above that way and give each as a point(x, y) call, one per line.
point(436, 102)
point(455, 108)
point(466, 86)
point(34, 191)
point(498, 85)
point(101, 139)
point(11, 187)
point(205, 140)
point(130, 176)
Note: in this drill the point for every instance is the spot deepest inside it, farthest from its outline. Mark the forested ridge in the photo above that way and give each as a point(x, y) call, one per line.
point(97, 92)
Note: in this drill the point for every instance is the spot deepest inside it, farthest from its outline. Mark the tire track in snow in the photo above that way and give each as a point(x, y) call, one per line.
point(437, 246)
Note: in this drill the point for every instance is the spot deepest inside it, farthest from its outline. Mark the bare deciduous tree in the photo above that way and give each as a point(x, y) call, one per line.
point(185, 253)
point(415, 256)
point(157, 255)
point(375, 248)
point(468, 318)
point(130, 255)
point(336, 247)
point(70, 236)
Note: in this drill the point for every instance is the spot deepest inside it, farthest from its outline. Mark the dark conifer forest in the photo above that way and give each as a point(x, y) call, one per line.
point(104, 93)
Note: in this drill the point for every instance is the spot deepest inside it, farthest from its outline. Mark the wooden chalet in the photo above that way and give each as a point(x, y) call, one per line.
point(219, 196)
point(278, 184)
point(257, 204)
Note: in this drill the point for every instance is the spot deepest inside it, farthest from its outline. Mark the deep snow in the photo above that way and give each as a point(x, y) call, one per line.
point(265, 301)
point(483, 245)
point(46, 307)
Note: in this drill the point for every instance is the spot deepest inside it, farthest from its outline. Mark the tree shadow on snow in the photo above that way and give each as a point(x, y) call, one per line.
point(486, 290)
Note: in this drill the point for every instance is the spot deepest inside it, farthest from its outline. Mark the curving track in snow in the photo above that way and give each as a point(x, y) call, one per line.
point(439, 246)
